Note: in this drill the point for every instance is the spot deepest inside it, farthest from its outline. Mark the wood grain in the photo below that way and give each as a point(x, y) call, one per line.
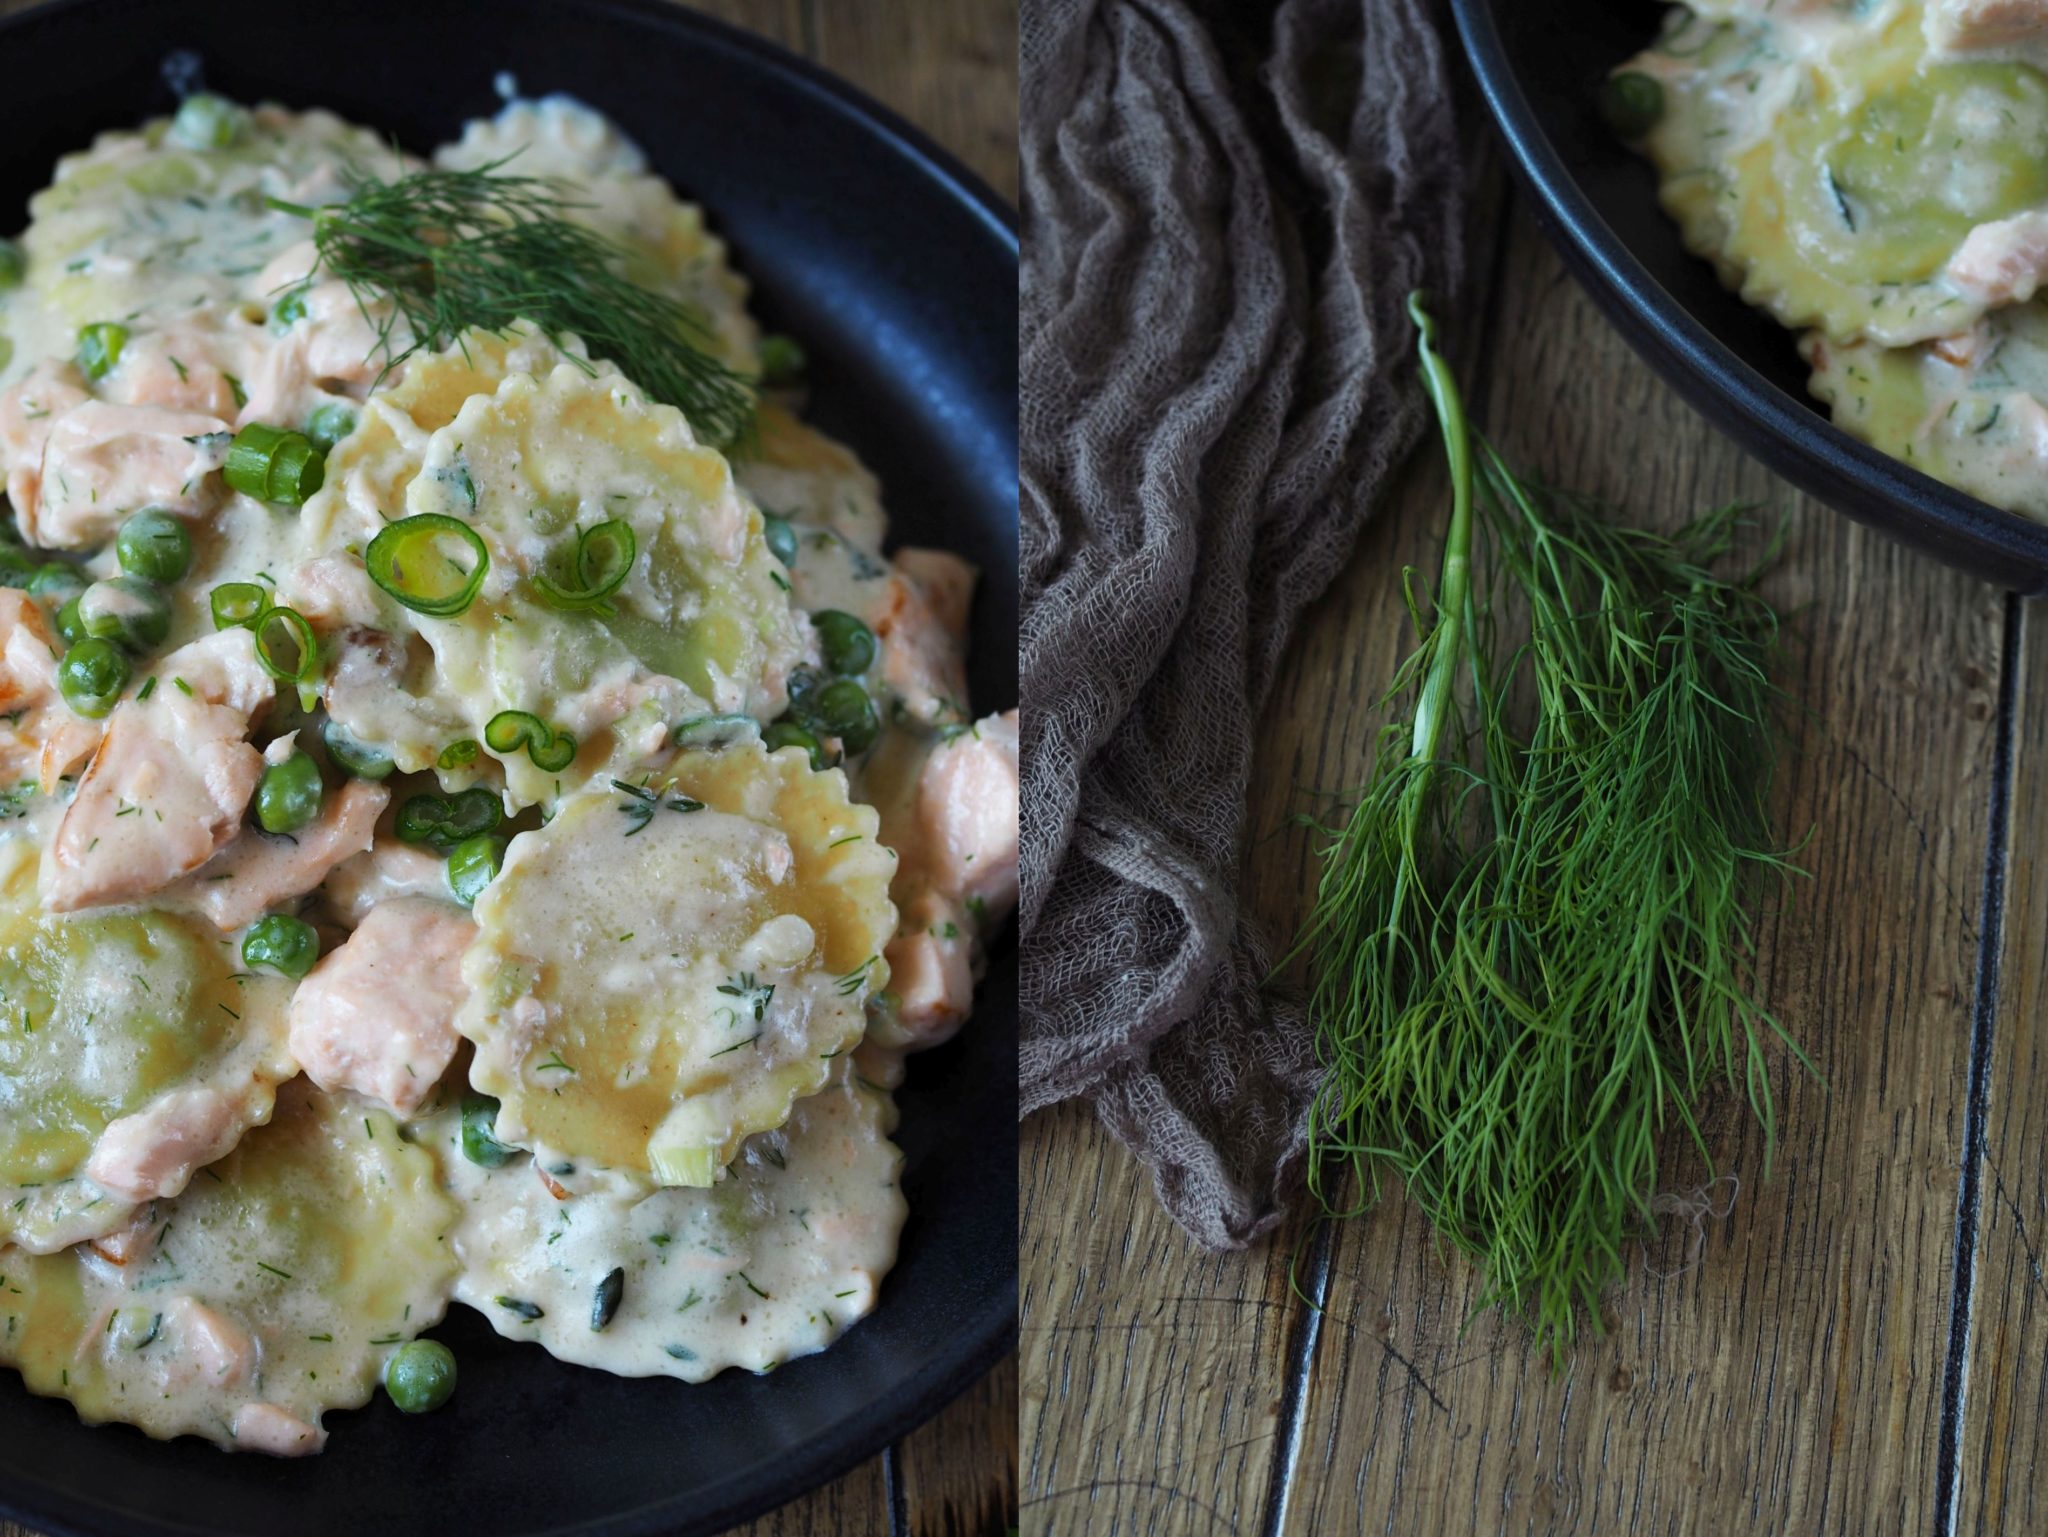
point(2003, 1381)
point(950, 66)
point(1152, 1375)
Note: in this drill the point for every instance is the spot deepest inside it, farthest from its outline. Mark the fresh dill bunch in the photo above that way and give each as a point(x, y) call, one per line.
point(1532, 949)
point(455, 249)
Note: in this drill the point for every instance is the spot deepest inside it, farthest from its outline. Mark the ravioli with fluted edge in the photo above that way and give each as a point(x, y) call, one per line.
point(1833, 168)
point(108, 1021)
point(774, 1262)
point(273, 1290)
point(701, 621)
point(667, 966)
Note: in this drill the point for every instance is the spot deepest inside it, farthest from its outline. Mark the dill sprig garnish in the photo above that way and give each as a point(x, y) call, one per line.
point(456, 249)
point(1532, 947)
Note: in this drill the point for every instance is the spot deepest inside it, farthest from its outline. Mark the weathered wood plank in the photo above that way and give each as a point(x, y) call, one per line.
point(1791, 1380)
point(2003, 1432)
point(951, 69)
point(1152, 1373)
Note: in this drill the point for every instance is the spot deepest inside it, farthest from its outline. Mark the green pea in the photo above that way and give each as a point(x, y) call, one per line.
point(207, 121)
point(99, 347)
point(130, 612)
point(352, 756)
point(330, 424)
point(288, 311)
point(844, 710)
point(155, 545)
point(473, 865)
point(12, 264)
point(787, 733)
point(421, 1376)
point(17, 567)
point(70, 627)
point(57, 582)
point(281, 943)
point(479, 1125)
point(783, 360)
point(1632, 103)
point(780, 536)
point(91, 676)
point(289, 794)
point(848, 644)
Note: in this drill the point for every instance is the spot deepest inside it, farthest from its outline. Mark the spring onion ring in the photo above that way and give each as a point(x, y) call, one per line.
point(604, 559)
point(408, 559)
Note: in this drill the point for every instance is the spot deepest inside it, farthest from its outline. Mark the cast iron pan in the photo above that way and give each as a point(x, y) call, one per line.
point(899, 273)
point(1538, 67)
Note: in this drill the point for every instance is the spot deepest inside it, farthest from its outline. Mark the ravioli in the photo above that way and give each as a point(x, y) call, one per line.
point(1831, 168)
point(702, 621)
point(793, 469)
point(663, 969)
point(773, 1263)
point(138, 1021)
point(273, 1290)
point(1969, 411)
point(140, 224)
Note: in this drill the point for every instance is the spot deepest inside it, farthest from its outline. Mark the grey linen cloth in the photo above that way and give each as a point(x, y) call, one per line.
point(1224, 211)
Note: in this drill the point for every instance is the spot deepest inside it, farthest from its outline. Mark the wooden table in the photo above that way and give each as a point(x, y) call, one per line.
point(1862, 1345)
point(950, 66)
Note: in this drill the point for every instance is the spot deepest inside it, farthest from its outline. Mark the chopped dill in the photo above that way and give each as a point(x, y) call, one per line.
point(456, 249)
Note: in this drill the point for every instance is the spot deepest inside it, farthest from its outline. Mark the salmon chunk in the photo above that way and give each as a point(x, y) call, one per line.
point(259, 871)
point(40, 737)
point(378, 1015)
point(931, 973)
point(967, 807)
point(28, 409)
point(103, 461)
point(156, 1151)
point(1963, 26)
point(2003, 261)
point(920, 616)
point(385, 870)
point(267, 1428)
point(167, 787)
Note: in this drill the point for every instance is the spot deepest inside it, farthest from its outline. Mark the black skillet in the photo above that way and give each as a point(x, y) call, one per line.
point(1539, 65)
point(898, 271)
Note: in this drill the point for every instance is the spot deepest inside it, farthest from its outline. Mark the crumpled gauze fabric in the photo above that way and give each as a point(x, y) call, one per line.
point(1225, 208)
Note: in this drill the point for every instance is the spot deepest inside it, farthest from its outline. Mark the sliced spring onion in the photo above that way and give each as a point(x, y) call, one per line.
point(604, 559)
point(409, 559)
point(238, 603)
point(274, 464)
point(510, 730)
point(711, 732)
point(557, 755)
point(286, 645)
point(442, 821)
point(354, 756)
point(458, 754)
point(99, 347)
